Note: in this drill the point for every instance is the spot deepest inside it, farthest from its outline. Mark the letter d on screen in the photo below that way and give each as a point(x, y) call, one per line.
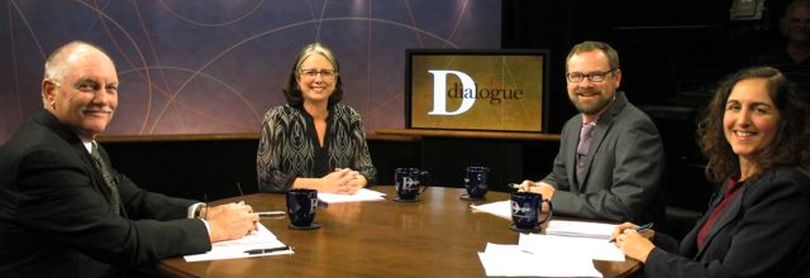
point(440, 92)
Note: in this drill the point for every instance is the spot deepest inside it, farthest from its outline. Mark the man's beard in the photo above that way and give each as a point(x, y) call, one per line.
point(592, 107)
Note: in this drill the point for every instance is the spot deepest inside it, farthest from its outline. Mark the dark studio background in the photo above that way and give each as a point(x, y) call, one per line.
point(671, 53)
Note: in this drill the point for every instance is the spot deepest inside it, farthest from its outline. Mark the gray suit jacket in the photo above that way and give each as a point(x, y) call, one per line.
point(624, 168)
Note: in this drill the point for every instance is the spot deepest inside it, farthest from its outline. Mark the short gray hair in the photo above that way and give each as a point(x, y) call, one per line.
point(54, 65)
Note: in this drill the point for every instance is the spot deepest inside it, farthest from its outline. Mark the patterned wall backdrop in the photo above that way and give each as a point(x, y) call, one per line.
point(215, 66)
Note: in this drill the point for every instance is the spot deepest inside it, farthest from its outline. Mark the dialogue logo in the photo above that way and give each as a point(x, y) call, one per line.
point(313, 203)
point(520, 212)
point(409, 184)
point(468, 92)
point(440, 86)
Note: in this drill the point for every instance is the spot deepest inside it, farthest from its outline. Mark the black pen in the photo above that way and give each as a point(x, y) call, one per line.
point(638, 229)
point(267, 250)
point(270, 213)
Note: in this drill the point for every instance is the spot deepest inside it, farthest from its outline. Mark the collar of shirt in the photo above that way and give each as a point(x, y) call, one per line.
point(592, 120)
point(88, 145)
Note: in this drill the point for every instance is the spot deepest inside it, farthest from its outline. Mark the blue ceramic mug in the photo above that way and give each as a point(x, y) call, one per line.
point(476, 181)
point(526, 210)
point(301, 206)
point(410, 182)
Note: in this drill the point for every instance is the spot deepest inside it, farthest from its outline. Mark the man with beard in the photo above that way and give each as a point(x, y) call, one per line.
point(611, 159)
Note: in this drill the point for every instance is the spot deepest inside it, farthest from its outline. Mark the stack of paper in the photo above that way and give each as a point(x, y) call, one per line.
point(501, 209)
point(361, 195)
point(590, 248)
point(555, 227)
point(511, 261)
point(580, 229)
point(262, 239)
point(548, 256)
point(567, 248)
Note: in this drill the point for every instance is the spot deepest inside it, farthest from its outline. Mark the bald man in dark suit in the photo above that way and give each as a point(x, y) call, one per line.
point(65, 212)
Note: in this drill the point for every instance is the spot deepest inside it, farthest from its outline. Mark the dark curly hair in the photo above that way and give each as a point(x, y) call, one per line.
point(789, 145)
point(291, 90)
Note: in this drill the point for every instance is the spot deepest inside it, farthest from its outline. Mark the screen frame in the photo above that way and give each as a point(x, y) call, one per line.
point(545, 53)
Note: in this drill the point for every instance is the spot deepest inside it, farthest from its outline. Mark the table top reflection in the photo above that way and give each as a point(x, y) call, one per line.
point(439, 235)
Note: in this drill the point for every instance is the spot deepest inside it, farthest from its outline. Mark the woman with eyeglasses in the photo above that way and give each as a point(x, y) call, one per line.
point(755, 137)
point(314, 141)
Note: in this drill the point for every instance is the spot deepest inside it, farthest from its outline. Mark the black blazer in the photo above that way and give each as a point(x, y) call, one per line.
point(765, 232)
point(56, 219)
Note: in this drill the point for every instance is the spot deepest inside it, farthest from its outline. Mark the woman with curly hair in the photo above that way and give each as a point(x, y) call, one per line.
point(755, 137)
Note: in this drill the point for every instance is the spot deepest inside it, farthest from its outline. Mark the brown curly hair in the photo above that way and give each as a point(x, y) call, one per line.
point(789, 147)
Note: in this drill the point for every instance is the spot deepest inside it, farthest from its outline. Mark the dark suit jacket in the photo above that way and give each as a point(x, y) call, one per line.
point(765, 232)
point(56, 219)
point(624, 168)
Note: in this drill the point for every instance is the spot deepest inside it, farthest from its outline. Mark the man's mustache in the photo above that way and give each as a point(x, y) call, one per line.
point(97, 110)
point(587, 92)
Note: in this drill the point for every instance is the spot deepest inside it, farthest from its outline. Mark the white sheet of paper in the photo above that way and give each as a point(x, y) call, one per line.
point(580, 229)
point(501, 209)
point(235, 249)
point(361, 195)
point(511, 261)
point(592, 248)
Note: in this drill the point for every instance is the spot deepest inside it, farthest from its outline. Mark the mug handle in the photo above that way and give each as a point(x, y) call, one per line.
point(540, 211)
point(424, 180)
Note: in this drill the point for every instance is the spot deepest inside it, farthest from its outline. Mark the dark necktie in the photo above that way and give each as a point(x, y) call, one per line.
point(582, 149)
point(112, 184)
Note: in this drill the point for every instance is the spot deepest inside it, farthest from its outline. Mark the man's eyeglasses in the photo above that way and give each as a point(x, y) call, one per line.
point(597, 76)
point(312, 73)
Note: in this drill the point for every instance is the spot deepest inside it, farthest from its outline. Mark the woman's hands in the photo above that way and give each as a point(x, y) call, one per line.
point(342, 181)
point(632, 243)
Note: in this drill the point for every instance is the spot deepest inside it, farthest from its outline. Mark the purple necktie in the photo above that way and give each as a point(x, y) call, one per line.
point(582, 149)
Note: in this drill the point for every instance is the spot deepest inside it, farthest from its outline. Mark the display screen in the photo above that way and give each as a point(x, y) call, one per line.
point(491, 90)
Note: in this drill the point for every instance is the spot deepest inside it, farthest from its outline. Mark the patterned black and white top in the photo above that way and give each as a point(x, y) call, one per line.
point(289, 147)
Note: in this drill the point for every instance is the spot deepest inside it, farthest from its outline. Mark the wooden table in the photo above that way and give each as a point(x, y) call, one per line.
point(437, 236)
